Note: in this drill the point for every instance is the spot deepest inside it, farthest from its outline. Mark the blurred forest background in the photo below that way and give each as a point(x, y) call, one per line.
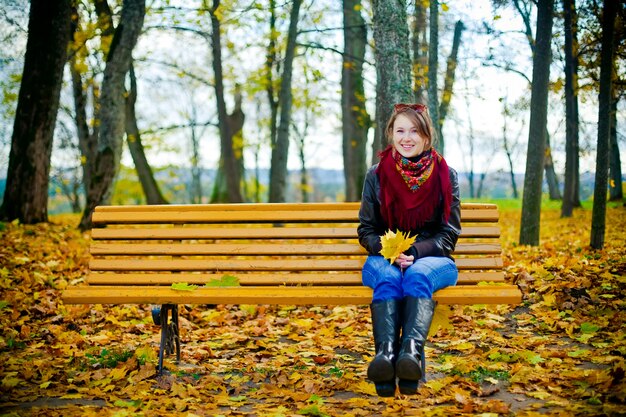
point(181, 101)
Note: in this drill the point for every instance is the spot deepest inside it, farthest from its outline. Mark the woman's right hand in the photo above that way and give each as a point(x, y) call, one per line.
point(404, 261)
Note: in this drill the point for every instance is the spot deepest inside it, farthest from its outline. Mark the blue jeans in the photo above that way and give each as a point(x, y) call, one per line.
point(421, 279)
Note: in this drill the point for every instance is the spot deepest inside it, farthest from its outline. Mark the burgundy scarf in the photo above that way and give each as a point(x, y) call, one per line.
point(410, 191)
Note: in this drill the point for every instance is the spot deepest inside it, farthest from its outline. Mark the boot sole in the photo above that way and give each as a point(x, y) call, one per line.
point(381, 370)
point(386, 389)
point(408, 368)
point(407, 387)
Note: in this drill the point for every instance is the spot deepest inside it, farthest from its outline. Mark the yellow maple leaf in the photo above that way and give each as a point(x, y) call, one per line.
point(394, 243)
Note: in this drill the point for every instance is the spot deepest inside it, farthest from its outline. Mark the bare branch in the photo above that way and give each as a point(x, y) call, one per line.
point(508, 68)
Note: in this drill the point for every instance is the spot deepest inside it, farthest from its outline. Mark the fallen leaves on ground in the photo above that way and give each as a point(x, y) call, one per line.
point(559, 353)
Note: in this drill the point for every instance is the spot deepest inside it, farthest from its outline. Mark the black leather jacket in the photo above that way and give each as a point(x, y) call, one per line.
point(434, 238)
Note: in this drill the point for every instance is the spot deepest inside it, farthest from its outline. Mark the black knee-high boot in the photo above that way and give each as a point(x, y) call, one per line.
point(417, 315)
point(386, 328)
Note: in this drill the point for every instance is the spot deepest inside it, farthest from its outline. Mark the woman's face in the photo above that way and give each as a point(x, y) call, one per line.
point(406, 141)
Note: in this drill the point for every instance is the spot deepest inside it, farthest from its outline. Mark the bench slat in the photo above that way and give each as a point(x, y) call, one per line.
point(255, 216)
point(231, 207)
point(112, 233)
point(499, 294)
point(465, 278)
point(224, 233)
point(256, 249)
point(261, 264)
point(258, 206)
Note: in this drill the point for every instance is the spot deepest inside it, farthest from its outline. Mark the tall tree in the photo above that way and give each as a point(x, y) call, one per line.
point(113, 107)
point(26, 193)
point(280, 149)
point(571, 110)
point(355, 119)
point(598, 216)
point(133, 138)
point(508, 146)
point(450, 74)
point(525, 10)
point(272, 61)
point(433, 68)
point(88, 132)
point(531, 204)
point(229, 159)
point(393, 69)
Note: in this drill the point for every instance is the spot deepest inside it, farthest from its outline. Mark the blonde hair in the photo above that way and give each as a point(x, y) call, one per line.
point(421, 120)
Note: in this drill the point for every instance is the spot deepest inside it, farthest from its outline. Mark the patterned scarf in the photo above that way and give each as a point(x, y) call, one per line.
point(410, 192)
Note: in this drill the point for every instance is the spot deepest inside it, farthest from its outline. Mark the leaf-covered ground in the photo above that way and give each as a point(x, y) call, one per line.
point(559, 353)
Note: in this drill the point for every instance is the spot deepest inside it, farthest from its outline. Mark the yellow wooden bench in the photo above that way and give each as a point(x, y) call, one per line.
point(293, 254)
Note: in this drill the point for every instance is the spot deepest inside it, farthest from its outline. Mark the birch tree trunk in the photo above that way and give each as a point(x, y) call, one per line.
point(531, 204)
point(393, 61)
point(598, 215)
point(26, 192)
point(112, 107)
point(355, 119)
point(280, 150)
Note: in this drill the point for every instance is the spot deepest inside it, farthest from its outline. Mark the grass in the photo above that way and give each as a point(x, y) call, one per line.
point(516, 203)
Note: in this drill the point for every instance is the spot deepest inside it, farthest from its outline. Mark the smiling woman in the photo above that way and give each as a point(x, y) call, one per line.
point(413, 190)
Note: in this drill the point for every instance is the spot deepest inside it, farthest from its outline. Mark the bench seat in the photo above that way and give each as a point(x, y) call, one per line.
point(280, 253)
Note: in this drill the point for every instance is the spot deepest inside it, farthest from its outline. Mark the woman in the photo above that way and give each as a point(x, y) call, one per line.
point(411, 189)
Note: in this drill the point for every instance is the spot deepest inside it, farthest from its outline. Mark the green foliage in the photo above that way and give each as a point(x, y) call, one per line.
point(109, 359)
point(183, 286)
point(481, 374)
point(225, 281)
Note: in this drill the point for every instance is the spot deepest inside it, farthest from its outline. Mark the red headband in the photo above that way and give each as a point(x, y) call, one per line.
point(418, 108)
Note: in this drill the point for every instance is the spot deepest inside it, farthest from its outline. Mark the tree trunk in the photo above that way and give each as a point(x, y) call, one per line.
point(420, 52)
point(280, 151)
point(112, 107)
point(508, 151)
point(524, 8)
point(26, 193)
point(531, 204)
point(481, 184)
point(571, 108)
point(598, 215)
point(433, 67)
point(228, 164)
point(450, 72)
point(304, 174)
point(88, 138)
point(87, 142)
point(615, 164)
point(553, 181)
point(271, 61)
point(393, 69)
point(133, 138)
point(355, 120)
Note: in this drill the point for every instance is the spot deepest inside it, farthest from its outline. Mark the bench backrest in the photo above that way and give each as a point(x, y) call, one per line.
point(260, 244)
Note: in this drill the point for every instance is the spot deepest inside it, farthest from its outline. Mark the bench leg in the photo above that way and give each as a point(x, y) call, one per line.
point(423, 355)
point(170, 340)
